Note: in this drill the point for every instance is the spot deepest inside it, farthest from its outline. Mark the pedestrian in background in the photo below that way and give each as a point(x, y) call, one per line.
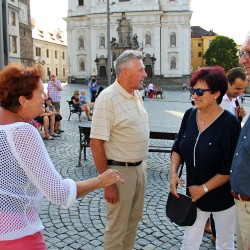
point(240, 172)
point(119, 140)
point(236, 85)
point(26, 170)
point(94, 88)
point(206, 143)
point(54, 91)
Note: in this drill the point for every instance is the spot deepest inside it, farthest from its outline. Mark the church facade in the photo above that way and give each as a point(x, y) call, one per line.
point(160, 29)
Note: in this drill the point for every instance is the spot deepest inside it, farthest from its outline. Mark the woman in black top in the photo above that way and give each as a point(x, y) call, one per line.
point(78, 105)
point(206, 143)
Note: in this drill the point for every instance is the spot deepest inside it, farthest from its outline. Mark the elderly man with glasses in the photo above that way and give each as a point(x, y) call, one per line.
point(240, 170)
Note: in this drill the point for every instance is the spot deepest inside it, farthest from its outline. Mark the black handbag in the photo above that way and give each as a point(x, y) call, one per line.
point(182, 211)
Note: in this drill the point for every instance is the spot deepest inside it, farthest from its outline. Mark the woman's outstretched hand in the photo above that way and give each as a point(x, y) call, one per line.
point(110, 177)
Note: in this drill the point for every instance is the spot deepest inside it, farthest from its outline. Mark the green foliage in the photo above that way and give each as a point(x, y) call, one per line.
point(223, 52)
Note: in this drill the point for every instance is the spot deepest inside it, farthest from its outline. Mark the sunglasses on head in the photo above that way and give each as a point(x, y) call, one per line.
point(198, 92)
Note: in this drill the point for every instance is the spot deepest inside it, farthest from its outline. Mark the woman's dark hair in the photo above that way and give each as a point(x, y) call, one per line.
point(16, 81)
point(215, 77)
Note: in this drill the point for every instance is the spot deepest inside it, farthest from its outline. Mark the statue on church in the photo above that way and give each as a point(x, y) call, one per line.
point(124, 32)
point(113, 43)
point(135, 44)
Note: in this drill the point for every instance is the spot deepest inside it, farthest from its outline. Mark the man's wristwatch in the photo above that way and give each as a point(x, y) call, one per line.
point(205, 188)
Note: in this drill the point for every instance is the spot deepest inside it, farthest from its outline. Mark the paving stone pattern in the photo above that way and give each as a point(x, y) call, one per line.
point(82, 226)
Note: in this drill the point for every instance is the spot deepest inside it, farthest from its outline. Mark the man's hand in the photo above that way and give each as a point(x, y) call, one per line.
point(241, 111)
point(111, 194)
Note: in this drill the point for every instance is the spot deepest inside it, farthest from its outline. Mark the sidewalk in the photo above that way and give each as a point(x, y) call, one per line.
point(82, 226)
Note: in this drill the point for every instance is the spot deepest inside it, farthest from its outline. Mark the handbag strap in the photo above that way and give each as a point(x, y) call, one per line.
point(181, 170)
point(191, 112)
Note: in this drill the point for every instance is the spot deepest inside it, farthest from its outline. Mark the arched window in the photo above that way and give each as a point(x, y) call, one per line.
point(81, 42)
point(101, 41)
point(173, 63)
point(173, 39)
point(148, 39)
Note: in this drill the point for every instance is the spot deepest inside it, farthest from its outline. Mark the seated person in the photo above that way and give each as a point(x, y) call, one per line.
point(49, 108)
point(48, 122)
point(159, 92)
point(38, 126)
point(84, 101)
point(77, 104)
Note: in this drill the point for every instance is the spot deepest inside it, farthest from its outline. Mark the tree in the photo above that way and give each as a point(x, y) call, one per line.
point(223, 52)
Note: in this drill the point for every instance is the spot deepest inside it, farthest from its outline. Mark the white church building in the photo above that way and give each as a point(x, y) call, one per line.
point(160, 29)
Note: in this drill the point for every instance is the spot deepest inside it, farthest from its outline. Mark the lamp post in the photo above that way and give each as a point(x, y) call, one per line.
point(108, 43)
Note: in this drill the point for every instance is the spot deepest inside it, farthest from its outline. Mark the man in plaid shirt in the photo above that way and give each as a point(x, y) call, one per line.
point(54, 89)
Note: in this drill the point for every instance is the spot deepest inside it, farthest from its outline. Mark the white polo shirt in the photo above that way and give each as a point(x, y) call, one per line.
point(229, 105)
point(121, 120)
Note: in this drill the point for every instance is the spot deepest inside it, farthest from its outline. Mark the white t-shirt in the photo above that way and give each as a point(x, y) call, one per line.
point(151, 86)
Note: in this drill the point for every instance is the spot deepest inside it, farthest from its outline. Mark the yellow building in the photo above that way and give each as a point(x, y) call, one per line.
point(200, 42)
point(51, 51)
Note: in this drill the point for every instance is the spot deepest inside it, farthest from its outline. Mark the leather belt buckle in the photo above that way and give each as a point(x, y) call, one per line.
point(131, 164)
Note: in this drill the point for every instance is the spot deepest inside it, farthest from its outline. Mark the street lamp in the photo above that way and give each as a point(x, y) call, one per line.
point(108, 43)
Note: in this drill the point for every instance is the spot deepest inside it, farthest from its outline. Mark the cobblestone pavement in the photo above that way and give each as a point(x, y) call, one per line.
point(82, 226)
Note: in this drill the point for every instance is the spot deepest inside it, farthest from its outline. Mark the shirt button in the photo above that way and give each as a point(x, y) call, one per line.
point(231, 171)
point(236, 153)
point(244, 137)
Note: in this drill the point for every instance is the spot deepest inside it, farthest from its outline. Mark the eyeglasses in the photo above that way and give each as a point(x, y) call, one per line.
point(52, 76)
point(246, 54)
point(198, 92)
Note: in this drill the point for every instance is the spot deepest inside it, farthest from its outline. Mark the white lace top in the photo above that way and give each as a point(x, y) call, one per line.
point(26, 175)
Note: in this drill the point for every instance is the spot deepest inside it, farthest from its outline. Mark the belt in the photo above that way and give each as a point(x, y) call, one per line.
point(240, 197)
point(125, 164)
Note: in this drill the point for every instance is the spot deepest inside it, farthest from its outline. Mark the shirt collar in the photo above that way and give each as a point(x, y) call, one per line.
point(123, 91)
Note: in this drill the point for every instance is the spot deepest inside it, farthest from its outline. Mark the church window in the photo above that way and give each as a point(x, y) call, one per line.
point(82, 65)
point(13, 18)
point(14, 45)
point(102, 41)
point(81, 42)
point(148, 39)
point(80, 2)
point(173, 63)
point(173, 39)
